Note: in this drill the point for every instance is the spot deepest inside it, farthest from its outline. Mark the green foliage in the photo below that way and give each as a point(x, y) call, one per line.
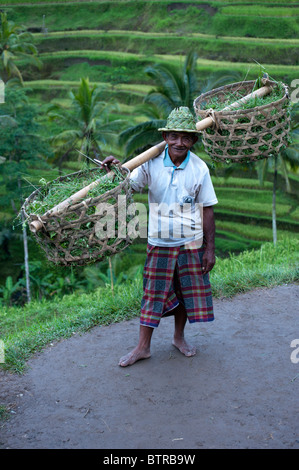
point(61, 66)
point(163, 16)
point(20, 145)
point(86, 124)
point(8, 290)
point(174, 87)
point(15, 43)
point(260, 10)
point(206, 46)
point(4, 412)
point(255, 26)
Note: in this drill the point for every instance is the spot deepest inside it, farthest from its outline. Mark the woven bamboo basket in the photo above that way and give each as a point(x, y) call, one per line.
point(244, 135)
point(70, 236)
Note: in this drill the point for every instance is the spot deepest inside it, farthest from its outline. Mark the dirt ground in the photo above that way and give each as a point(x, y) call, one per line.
point(239, 391)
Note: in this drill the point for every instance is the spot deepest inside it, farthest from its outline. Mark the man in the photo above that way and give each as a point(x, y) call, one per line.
point(181, 199)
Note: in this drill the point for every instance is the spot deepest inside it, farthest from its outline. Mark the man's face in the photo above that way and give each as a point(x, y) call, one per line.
point(179, 143)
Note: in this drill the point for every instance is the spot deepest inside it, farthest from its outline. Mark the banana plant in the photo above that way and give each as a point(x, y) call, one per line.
point(15, 43)
point(8, 289)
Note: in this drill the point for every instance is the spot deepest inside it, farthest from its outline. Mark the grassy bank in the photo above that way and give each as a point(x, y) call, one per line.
point(183, 17)
point(29, 329)
point(124, 67)
point(156, 43)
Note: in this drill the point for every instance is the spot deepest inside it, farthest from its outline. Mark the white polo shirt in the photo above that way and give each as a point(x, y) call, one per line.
point(176, 196)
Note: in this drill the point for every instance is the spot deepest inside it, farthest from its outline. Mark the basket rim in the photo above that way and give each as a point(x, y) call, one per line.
point(237, 111)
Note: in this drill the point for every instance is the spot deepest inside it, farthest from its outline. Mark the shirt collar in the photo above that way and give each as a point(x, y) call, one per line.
point(168, 162)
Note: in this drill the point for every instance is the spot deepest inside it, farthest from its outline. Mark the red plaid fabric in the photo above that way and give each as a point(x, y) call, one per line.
point(173, 275)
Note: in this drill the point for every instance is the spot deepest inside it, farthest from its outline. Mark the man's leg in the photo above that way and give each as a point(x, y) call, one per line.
point(180, 318)
point(142, 350)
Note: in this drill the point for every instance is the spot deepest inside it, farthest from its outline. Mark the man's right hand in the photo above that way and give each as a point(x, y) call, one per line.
point(108, 161)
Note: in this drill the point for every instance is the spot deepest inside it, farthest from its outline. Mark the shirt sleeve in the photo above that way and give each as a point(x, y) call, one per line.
point(139, 178)
point(206, 195)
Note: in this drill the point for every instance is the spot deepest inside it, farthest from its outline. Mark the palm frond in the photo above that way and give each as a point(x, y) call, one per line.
point(139, 137)
point(140, 128)
point(162, 103)
point(167, 80)
point(148, 109)
point(67, 136)
point(142, 141)
point(110, 127)
point(15, 43)
point(217, 79)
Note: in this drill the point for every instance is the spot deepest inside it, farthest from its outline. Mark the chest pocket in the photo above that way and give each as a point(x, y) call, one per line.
point(187, 200)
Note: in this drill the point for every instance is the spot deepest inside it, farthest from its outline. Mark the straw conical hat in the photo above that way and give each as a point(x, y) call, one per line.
point(180, 120)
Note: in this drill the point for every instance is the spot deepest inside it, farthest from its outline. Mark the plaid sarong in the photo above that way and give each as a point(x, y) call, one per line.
point(173, 275)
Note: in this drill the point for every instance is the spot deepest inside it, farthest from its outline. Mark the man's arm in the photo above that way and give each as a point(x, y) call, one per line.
point(208, 260)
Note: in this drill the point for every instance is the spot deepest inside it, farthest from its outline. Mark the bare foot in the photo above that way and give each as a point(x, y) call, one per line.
point(134, 356)
point(184, 347)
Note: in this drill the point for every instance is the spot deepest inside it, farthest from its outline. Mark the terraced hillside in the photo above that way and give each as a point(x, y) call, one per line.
point(112, 42)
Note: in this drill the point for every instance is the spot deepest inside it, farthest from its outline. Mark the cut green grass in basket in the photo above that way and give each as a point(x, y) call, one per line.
point(53, 193)
point(277, 93)
point(70, 234)
point(261, 130)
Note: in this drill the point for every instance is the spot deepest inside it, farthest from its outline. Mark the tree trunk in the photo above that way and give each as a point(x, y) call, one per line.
point(26, 258)
point(274, 228)
point(111, 275)
point(285, 173)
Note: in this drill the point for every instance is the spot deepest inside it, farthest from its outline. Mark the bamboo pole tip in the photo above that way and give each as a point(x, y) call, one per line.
point(35, 226)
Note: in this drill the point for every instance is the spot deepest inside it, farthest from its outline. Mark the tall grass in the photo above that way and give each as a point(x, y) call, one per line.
point(269, 266)
point(29, 329)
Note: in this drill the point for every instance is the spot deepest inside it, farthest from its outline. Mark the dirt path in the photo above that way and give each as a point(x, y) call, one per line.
point(239, 391)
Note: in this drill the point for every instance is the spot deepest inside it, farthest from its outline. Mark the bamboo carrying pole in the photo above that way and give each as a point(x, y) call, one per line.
point(36, 225)
point(154, 151)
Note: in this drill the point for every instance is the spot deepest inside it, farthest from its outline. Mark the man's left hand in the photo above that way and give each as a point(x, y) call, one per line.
point(208, 260)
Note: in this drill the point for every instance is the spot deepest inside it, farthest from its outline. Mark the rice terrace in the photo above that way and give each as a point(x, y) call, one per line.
point(84, 80)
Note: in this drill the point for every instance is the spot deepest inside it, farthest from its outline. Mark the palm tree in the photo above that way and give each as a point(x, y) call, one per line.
point(15, 43)
point(87, 124)
point(287, 159)
point(174, 87)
